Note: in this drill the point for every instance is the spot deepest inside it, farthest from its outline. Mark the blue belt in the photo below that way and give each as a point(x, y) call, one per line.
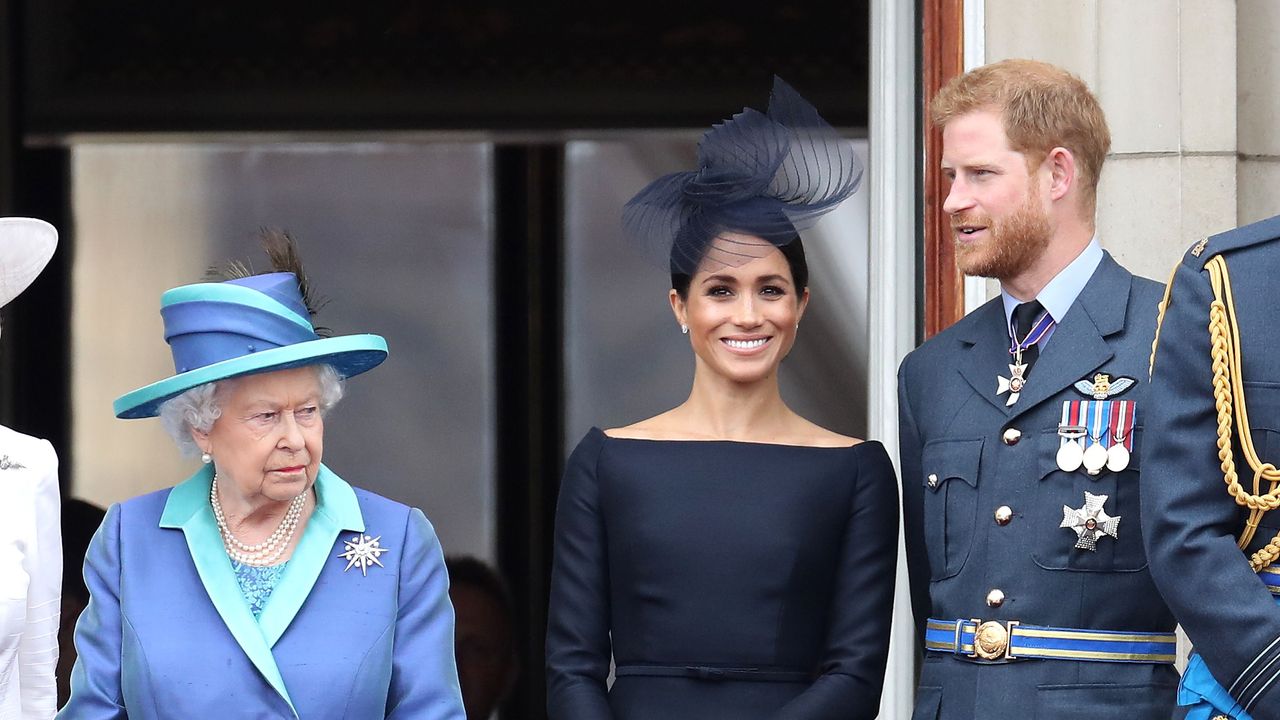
point(1271, 578)
point(995, 641)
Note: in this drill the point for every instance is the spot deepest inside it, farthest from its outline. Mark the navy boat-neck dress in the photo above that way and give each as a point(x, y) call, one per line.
point(726, 579)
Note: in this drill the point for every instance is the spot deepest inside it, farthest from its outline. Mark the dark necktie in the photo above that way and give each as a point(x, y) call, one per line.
point(1024, 318)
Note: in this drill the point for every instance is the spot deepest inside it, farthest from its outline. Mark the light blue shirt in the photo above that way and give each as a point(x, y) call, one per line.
point(1062, 291)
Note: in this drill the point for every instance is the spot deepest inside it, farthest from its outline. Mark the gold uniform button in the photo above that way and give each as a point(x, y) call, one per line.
point(1011, 436)
point(995, 598)
point(1004, 514)
point(933, 480)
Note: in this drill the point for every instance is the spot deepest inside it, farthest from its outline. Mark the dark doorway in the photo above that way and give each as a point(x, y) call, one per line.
point(526, 78)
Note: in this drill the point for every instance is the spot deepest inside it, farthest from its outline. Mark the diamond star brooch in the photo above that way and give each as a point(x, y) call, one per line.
point(362, 551)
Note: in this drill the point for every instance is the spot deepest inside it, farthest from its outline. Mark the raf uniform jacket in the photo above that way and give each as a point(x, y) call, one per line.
point(168, 634)
point(987, 456)
point(1190, 522)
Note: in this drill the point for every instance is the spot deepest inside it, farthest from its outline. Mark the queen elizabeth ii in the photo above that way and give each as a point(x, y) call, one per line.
point(264, 585)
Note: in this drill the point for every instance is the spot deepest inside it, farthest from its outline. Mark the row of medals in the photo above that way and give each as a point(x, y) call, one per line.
point(1072, 456)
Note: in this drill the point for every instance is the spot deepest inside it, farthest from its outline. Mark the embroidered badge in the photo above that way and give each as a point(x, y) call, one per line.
point(1090, 521)
point(362, 551)
point(1103, 387)
point(7, 464)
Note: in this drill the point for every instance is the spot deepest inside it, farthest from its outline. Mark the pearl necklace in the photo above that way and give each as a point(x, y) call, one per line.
point(268, 551)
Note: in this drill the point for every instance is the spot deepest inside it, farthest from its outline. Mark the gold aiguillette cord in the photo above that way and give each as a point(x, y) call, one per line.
point(1233, 414)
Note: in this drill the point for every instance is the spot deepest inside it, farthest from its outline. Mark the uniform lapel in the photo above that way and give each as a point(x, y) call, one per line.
point(987, 355)
point(1078, 345)
point(188, 509)
point(336, 510)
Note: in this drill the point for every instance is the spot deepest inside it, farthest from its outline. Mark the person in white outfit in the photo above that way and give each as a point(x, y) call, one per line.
point(30, 543)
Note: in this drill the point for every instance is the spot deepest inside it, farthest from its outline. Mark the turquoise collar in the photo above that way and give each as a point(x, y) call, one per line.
point(334, 498)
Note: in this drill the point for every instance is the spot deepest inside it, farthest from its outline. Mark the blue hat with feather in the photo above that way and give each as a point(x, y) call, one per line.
point(246, 325)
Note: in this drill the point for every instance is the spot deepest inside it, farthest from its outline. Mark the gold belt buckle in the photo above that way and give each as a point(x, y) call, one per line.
point(991, 639)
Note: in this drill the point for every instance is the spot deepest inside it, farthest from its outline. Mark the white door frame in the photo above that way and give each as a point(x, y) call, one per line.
point(894, 186)
point(892, 259)
point(977, 290)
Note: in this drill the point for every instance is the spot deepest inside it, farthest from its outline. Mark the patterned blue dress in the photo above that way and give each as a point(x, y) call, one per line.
point(257, 583)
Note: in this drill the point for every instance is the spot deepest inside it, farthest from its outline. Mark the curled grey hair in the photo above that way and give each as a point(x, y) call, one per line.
point(197, 409)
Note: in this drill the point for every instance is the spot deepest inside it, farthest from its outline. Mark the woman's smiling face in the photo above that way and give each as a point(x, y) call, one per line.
point(742, 320)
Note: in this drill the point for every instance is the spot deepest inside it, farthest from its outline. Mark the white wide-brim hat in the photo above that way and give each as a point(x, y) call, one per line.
point(26, 245)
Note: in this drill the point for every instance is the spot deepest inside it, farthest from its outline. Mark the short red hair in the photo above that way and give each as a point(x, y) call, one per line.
point(1042, 107)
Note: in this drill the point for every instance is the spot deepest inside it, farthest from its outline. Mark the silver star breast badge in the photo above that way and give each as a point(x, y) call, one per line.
point(362, 551)
point(1012, 384)
point(1090, 521)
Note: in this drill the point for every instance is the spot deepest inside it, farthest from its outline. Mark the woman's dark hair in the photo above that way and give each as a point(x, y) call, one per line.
point(792, 251)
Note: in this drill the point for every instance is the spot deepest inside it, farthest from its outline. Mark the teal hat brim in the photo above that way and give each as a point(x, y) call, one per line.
point(349, 354)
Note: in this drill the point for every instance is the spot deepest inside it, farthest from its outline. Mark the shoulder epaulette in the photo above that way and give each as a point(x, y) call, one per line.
point(1245, 236)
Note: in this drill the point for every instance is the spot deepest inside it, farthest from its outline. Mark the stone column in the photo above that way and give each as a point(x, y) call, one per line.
point(1165, 72)
point(1257, 70)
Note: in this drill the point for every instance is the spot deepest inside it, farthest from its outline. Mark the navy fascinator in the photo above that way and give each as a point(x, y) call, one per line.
point(766, 175)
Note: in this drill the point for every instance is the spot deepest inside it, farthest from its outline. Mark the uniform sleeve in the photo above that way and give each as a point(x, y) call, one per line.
point(1189, 521)
point(909, 459)
point(42, 560)
point(852, 672)
point(424, 674)
point(95, 680)
point(578, 648)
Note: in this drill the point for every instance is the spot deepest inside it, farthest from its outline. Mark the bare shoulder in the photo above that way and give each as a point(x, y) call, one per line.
point(811, 433)
point(658, 427)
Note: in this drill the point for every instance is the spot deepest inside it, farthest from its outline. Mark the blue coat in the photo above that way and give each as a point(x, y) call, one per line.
point(168, 634)
point(1192, 523)
point(983, 456)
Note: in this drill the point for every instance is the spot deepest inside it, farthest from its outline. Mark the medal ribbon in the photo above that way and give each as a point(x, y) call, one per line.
point(1121, 425)
point(1072, 416)
point(1098, 414)
point(1039, 328)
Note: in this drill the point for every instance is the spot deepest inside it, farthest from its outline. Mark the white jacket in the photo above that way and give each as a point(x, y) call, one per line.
point(30, 576)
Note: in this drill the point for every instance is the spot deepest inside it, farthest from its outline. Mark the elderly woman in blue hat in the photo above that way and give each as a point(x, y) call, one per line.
point(263, 585)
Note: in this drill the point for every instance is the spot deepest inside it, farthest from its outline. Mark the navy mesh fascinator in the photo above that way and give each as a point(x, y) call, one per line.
point(767, 175)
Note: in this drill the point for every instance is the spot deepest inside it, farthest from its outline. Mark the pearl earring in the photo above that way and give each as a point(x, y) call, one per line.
point(206, 458)
point(684, 329)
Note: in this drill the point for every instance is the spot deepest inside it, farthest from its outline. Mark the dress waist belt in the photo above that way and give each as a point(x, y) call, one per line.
point(995, 641)
point(704, 672)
